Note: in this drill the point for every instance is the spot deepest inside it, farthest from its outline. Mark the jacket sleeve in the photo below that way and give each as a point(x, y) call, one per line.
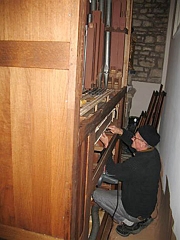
point(126, 138)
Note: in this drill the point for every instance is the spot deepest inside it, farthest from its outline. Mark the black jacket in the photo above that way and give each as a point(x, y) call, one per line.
point(140, 176)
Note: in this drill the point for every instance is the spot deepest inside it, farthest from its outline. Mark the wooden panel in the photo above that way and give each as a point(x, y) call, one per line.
point(127, 42)
point(39, 147)
point(90, 56)
point(117, 40)
point(34, 54)
point(6, 181)
point(10, 233)
point(101, 49)
point(36, 20)
point(96, 15)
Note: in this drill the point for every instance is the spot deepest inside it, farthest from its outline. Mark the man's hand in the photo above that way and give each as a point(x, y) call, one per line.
point(104, 139)
point(115, 130)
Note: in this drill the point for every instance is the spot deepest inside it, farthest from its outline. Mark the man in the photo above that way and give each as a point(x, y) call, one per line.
point(133, 205)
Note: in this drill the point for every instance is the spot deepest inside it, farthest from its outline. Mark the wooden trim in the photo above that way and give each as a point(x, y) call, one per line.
point(12, 233)
point(34, 54)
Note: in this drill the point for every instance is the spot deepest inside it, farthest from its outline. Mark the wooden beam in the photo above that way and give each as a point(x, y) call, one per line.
point(12, 233)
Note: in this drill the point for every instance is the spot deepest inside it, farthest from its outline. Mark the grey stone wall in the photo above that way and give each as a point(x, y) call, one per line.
point(150, 18)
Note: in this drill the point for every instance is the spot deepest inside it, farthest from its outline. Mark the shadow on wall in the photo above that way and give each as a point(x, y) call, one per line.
point(165, 219)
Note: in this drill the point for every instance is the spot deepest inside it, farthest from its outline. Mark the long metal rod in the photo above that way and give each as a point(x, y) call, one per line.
point(107, 43)
point(101, 8)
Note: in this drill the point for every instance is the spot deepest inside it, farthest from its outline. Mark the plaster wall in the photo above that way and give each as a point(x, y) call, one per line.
point(142, 96)
point(170, 131)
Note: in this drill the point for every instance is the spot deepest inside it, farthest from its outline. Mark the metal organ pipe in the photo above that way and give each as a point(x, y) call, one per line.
point(93, 5)
point(101, 8)
point(107, 42)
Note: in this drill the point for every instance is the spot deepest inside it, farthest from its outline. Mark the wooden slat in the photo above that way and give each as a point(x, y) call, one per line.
point(151, 107)
point(34, 54)
point(159, 109)
point(82, 178)
point(101, 49)
point(88, 194)
point(117, 38)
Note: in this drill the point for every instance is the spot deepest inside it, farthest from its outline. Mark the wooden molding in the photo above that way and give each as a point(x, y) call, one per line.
point(34, 54)
point(13, 233)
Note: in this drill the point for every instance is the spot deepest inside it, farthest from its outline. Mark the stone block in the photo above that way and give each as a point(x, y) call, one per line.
point(159, 48)
point(147, 24)
point(142, 74)
point(155, 73)
point(137, 23)
point(150, 39)
point(150, 49)
point(146, 64)
point(160, 38)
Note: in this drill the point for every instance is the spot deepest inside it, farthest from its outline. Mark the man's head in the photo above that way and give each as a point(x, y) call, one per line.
point(145, 136)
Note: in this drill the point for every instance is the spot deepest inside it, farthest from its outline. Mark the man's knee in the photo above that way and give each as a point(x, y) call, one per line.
point(97, 194)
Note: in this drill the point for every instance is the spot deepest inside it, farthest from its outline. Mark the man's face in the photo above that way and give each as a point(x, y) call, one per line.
point(138, 142)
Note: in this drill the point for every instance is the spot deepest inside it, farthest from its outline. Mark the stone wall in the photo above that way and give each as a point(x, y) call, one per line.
point(150, 18)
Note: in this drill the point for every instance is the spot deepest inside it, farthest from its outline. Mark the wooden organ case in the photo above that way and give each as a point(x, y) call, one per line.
point(63, 69)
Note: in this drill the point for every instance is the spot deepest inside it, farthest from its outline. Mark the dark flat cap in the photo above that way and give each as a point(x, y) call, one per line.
point(149, 134)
